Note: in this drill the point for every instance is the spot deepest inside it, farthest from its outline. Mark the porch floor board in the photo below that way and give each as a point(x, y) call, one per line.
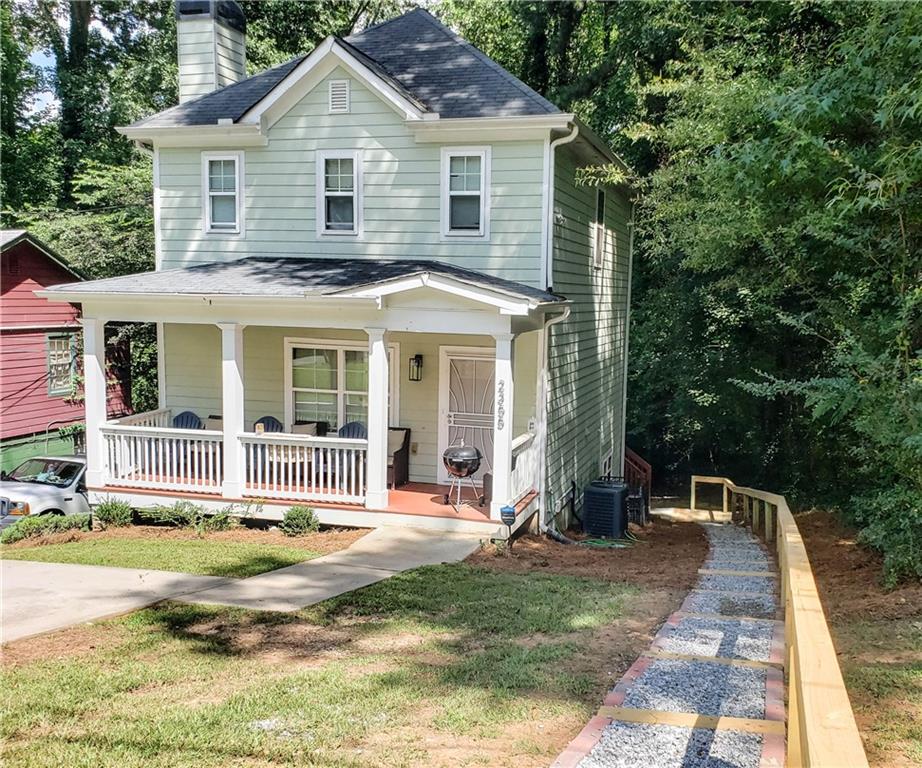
point(423, 499)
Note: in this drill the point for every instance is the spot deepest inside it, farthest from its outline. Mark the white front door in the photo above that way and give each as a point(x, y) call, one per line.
point(466, 403)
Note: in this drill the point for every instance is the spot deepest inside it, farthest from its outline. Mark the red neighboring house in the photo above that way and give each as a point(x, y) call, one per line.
point(39, 353)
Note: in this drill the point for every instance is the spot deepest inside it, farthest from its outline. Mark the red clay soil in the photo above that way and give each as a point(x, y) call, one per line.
point(850, 576)
point(667, 556)
point(323, 542)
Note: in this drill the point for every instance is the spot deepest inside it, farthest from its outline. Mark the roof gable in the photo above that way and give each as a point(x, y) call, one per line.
point(413, 55)
point(10, 238)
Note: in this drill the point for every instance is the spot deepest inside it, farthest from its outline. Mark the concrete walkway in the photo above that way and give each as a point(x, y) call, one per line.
point(710, 690)
point(41, 597)
point(376, 556)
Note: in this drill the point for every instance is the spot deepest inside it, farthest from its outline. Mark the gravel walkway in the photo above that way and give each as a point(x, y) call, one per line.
point(729, 618)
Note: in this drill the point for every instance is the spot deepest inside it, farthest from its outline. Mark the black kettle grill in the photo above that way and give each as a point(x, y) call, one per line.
point(461, 461)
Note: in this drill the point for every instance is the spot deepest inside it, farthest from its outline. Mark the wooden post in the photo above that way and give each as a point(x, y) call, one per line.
point(376, 495)
point(94, 397)
point(232, 408)
point(726, 489)
point(693, 489)
point(502, 425)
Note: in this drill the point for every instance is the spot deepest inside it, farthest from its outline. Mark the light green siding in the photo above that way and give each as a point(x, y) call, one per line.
point(401, 194)
point(193, 378)
point(586, 354)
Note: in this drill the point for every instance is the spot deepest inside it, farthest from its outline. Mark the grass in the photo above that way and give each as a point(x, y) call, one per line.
point(445, 665)
point(208, 557)
point(882, 664)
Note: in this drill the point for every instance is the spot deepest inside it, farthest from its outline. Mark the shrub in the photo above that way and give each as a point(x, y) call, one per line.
point(182, 514)
point(299, 520)
point(113, 513)
point(41, 525)
point(186, 514)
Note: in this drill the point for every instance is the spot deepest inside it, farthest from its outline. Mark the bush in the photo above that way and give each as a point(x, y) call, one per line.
point(299, 520)
point(891, 522)
point(41, 525)
point(185, 514)
point(113, 513)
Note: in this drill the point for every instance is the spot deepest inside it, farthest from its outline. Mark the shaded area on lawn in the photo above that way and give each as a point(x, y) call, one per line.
point(237, 553)
point(878, 634)
point(442, 666)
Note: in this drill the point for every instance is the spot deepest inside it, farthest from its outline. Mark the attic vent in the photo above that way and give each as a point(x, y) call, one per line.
point(339, 95)
point(12, 264)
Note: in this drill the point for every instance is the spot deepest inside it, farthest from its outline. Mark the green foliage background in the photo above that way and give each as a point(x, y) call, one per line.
point(777, 150)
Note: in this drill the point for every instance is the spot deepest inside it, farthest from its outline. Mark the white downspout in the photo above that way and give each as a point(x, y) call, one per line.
point(542, 434)
point(547, 275)
point(627, 335)
point(547, 242)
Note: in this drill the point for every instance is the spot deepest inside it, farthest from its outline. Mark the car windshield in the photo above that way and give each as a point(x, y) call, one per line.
point(56, 472)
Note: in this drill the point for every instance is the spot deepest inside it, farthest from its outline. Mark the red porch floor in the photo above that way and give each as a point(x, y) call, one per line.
point(412, 499)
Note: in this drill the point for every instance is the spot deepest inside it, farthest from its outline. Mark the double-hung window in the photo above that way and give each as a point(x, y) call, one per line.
point(329, 382)
point(339, 193)
point(222, 176)
point(598, 230)
point(61, 360)
point(465, 191)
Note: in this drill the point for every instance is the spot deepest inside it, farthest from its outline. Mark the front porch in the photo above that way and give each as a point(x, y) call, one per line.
point(345, 405)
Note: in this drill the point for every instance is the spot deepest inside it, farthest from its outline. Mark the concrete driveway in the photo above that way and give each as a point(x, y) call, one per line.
point(40, 597)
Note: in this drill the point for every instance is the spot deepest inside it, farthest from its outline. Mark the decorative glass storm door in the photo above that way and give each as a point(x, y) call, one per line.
point(466, 404)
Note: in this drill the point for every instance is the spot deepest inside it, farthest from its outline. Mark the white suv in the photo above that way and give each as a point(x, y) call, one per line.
point(46, 485)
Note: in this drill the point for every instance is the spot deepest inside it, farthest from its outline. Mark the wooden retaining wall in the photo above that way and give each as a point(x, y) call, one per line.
point(821, 725)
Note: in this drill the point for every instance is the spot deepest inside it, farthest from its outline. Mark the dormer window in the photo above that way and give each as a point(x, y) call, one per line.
point(339, 95)
point(465, 192)
point(339, 193)
point(222, 176)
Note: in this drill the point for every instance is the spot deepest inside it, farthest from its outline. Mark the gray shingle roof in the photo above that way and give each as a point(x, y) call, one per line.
point(420, 57)
point(291, 277)
point(444, 71)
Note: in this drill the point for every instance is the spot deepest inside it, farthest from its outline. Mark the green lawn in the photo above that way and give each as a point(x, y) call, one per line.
point(443, 666)
point(210, 557)
point(882, 665)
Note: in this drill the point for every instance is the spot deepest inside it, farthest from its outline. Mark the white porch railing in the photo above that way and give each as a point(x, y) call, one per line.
point(159, 457)
point(287, 466)
point(158, 418)
point(524, 466)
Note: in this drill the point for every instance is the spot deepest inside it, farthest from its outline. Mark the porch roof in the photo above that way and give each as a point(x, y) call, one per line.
point(295, 277)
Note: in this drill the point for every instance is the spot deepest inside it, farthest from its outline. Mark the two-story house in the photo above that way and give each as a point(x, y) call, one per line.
point(365, 256)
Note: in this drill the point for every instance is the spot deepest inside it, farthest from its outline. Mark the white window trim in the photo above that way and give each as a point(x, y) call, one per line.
point(347, 84)
point(598, 230)
point(484, 152)
point(207, 228)
point(393, 349)
point(322, 155)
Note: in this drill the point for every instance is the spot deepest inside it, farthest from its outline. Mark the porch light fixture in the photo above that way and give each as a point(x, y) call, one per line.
point(416, 368)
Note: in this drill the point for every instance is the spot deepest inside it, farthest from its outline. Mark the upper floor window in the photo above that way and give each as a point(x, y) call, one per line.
point(598, 230)
point(60, 364)
point(465, 191)
point(339, 192)
point(222, 176)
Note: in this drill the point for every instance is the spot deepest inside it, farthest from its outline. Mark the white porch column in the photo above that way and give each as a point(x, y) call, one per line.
point(232, 407)
point(376, 496)
point(94, 396)
point(502, 424)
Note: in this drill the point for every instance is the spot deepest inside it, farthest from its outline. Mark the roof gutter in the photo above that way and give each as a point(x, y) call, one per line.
point(547, 241)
